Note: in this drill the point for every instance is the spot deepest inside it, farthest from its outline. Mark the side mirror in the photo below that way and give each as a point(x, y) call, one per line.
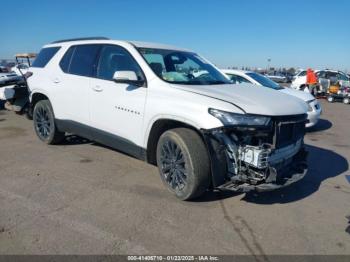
point(127, 77)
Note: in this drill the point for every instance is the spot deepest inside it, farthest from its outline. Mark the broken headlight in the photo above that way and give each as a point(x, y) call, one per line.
point(234, 119)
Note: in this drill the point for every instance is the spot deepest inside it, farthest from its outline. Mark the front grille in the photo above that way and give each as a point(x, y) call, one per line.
point(289, 129)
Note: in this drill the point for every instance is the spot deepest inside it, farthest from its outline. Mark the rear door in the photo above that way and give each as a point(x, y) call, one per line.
point(117, 108)
point(73, 84)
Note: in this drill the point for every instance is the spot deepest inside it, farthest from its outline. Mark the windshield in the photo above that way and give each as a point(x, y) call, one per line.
point(181, 67)
point(264, 81)
point(343, 76)
point(22, 66)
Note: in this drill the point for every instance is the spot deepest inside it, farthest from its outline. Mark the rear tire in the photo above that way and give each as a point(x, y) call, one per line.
point(44, 123)
point(346, 100)
point(183, 163)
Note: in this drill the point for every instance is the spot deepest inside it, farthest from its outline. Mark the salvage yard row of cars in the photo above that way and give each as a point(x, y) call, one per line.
point(204, 128)
point(16, 70)
point(335, 85)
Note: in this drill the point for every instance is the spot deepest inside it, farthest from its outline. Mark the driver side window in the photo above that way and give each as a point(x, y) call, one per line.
point(114, 58)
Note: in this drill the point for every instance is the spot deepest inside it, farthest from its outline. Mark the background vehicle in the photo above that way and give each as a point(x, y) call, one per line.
point(23, 62)
point(325, 77)
point(334, 77)
point(20, 69)
point(239, 76)
point(299, 80)
point(341, 96)
point(9, 78)
point(3, 69)
point(278, 78)
point(143, 99)
point(15, 92)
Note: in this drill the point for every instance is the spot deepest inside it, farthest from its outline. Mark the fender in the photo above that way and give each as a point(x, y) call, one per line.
point(37, 91)
point(167, 117)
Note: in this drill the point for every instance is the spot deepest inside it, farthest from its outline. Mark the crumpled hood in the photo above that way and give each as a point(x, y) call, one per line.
point(299, 94)
point(251, 98)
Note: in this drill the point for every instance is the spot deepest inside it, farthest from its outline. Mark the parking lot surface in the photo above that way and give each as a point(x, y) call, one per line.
point(83, 198)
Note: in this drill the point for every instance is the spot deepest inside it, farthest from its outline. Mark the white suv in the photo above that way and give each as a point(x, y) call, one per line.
point(148, 101)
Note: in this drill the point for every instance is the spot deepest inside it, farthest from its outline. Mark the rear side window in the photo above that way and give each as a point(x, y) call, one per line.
point(65, 61)
point(45, 56)
point(83, 61)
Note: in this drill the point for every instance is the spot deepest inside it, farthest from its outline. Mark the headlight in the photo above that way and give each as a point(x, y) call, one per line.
point(233, 119)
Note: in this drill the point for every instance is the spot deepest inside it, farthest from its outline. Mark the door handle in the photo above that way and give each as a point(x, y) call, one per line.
point(97, 88)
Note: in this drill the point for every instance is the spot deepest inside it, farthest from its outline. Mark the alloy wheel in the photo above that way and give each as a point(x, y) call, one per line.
point(43, 124)
point(173, 165)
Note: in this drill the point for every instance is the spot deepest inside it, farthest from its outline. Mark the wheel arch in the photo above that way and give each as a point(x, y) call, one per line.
point(160, 126)
point(37, 96)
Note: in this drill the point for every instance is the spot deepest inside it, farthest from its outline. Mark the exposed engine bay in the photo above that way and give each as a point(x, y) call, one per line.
point(260, 158)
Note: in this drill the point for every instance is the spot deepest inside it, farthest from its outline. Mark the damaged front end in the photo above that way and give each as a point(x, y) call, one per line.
point(262, 158)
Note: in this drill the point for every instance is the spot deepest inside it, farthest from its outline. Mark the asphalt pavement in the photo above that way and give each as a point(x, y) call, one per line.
point(83, 198)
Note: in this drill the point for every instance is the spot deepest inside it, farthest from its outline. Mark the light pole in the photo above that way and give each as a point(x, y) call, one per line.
point(268, 64)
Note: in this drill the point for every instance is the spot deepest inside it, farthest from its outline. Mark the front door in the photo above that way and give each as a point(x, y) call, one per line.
point(117, 109)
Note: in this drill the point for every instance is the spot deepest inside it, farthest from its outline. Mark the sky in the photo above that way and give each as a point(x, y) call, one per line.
point(298, 33)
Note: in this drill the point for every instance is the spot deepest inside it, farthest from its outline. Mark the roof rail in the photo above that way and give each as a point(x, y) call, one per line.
point(80, 39)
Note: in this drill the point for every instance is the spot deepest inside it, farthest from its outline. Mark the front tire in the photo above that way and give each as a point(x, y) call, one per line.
point(44, 123)
point(346, 100)
point(183, 163)
point(330, 99)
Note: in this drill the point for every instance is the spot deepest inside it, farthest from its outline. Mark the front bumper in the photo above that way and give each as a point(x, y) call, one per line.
point(285, 176)
point(313, 116)
point(240, 167)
